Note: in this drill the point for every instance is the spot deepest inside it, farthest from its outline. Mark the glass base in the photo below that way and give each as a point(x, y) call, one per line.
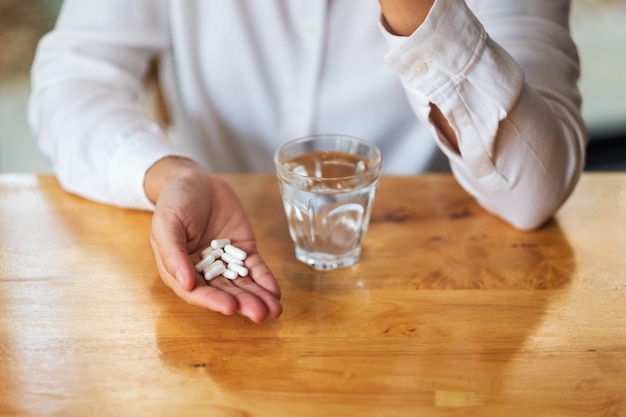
point(326, 262)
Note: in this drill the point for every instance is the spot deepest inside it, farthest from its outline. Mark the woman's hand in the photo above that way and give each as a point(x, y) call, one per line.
point(403, 17)
point(194, 207)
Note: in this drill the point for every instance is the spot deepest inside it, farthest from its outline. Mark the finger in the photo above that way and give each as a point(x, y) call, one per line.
point(269, 300)
point(211, 298)
point(261, 274)
point(224, 297)
point(253, 300)
point(248, 305)
point(201, 295)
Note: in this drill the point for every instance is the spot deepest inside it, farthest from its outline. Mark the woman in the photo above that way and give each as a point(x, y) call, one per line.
point(486, 88)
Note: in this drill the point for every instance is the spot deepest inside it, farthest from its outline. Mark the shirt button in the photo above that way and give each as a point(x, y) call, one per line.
point(419, 68)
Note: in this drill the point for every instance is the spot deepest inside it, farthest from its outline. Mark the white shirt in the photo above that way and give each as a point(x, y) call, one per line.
point(243, 76)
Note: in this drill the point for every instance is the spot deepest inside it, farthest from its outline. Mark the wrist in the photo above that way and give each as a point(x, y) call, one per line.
point(165, 170)
point(403, 17)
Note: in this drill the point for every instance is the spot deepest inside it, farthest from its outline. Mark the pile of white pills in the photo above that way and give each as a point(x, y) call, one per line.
point(222, 258)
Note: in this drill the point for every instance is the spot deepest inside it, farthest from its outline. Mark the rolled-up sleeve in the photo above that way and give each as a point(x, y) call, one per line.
point(505, 77)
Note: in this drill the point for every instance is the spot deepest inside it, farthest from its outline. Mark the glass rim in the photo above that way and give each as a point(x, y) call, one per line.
point(369, 171)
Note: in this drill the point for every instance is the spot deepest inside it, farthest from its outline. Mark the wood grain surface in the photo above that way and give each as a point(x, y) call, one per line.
point(449, 312)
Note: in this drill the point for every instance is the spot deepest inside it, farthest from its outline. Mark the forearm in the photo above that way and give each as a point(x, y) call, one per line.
point(537, 161)
point(99, 147)
point(516, 112)
point(84, 108)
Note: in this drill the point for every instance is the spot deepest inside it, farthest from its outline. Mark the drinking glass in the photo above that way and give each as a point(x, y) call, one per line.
point(328, 183)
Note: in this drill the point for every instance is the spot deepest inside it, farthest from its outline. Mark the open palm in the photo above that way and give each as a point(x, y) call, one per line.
point(191, 210)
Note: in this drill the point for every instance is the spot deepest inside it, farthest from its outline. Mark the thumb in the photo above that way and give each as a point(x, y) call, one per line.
point(169, 244)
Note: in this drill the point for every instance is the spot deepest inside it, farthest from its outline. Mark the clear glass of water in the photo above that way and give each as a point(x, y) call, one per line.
point(328, 183)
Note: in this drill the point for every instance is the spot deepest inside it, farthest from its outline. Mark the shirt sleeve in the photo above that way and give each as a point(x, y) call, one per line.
point(84, 107)
point(505, 77)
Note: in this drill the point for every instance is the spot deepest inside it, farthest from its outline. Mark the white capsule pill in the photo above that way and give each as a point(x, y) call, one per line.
point(216, 253)
point(242, 271)
point(219, 243)
point(205, 263)
point(231, 259)
point(230, 274)
point(214, 270)
point(235, 251)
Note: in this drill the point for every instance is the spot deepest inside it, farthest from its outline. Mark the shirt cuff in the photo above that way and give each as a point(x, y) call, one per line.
point(435, 57)
point(450, 61)
point(140, 149)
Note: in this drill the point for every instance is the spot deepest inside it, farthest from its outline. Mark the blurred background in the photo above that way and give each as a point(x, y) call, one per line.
point(597, 27)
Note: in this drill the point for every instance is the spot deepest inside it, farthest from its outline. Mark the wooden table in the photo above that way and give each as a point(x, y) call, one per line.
point(449, 312)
